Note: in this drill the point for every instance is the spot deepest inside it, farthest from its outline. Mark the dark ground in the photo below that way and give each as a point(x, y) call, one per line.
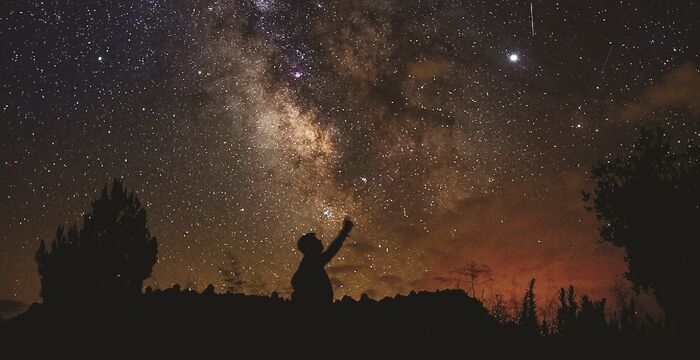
point(184, 323)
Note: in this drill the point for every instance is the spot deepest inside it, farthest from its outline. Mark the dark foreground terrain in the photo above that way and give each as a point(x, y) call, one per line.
point(185, 322)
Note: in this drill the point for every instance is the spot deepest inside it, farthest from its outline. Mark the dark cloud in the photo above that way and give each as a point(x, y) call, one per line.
point(362, 247)
point(345, 268)
point(372, 293)
point(391, 280)
point(337, 283)
point(429, 69)
point(678, 90)
point(394, 283)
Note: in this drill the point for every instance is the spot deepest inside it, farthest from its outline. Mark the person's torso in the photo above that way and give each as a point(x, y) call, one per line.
point(311, 282)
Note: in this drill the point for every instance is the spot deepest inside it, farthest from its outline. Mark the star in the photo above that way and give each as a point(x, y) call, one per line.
point(514, 57)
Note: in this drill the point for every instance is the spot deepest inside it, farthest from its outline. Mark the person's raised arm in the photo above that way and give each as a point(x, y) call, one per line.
point(335, 246)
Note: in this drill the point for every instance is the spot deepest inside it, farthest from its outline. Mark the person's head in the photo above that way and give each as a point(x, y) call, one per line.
point(309, 244)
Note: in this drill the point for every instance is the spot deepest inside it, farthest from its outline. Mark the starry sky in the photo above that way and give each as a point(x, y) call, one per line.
point(450, 131)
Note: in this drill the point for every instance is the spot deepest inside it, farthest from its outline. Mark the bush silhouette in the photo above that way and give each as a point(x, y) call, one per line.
point(527, 317)
point(580, 319)
point(108, 258)
point(649, 204)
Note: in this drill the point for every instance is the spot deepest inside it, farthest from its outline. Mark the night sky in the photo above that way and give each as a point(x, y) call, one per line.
point(451, 131)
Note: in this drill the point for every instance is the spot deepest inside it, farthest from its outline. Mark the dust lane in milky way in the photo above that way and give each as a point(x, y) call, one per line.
point(449, 130)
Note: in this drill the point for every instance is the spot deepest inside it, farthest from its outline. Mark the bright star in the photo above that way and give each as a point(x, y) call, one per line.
point(327, 212)
point(513, 57)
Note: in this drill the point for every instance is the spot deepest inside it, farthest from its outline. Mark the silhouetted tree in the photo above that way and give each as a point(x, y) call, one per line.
point(625, 316)
point(477, 274)
point(584, 318)
point(109, 257)
point(499, 311)
point(471, 273)
point(649, 204)
point(527, 318)
point(566, 312)
point(590, 320)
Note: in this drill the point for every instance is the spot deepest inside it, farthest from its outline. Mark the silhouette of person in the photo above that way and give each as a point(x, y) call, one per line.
point(310, 282)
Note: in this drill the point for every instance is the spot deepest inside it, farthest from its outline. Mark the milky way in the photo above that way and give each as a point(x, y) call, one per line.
point(451, 131)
